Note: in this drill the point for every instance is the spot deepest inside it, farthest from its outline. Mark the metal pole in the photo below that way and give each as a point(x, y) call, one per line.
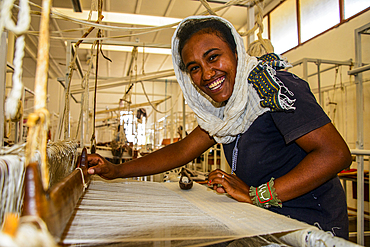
point(3, 62)
point(67, 130)
point(250, 24)
point(183, 116)
point(318, 63)
point(305, 73)
point(22, 118)
point(173, 127)
point(360, 141)
point(82, 122)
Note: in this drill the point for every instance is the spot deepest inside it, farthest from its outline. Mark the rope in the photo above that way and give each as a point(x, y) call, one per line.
point(208, 8)
point(24, 18)
point(83, 178)
point(98, 35)
point(12, 104)
point(30, 231)
point(39, 121)
point(151, 104)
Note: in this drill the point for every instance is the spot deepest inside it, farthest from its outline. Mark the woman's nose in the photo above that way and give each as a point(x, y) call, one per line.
point(208, 73)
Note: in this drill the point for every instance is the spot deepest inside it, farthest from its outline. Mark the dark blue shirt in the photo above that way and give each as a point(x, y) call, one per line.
point(268, 149)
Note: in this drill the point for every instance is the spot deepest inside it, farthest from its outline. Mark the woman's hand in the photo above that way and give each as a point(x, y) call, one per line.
point(100, 166)
point(231, 184)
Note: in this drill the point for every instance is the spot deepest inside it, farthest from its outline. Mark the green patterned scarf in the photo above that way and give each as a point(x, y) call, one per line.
point(270, 89)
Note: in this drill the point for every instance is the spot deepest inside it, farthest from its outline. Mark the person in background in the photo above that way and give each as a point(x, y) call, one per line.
point(282, 148)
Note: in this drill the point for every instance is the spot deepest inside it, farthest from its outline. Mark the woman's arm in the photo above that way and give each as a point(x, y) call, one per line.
point(327, 154)
point(164, 159)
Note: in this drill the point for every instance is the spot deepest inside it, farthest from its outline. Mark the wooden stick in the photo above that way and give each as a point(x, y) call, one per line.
point(42, 57)
point(55, 206)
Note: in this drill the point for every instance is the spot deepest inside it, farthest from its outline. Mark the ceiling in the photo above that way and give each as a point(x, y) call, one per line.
point(117, 68)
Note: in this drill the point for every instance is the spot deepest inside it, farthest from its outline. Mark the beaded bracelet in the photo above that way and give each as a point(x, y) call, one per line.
point(264, 196)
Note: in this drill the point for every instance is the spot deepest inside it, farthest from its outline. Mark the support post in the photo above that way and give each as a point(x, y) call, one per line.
point(183, 116)
point(318, 63)
point(305, 70)
point(360, 141)
point(250, 24)
point(3, 61)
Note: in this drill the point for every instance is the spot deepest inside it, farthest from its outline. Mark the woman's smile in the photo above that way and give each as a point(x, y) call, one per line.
point(216, 84)
point(211, 65)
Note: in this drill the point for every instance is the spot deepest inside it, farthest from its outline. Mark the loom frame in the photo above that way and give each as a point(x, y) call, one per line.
point(55, 206)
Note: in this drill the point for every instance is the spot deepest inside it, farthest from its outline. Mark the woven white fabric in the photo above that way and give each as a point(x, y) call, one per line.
point(222, 122)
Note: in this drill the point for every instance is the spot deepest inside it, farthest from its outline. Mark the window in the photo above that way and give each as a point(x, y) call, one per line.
point(352, 7)
point(317, 16)
point(134, 131)
point(284, 27)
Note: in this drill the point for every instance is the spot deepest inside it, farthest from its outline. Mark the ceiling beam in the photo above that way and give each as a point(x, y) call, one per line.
point(154, 102)
point(54, 69)
point(116, 82)
point(224, 2)
point(76, 6)
point(155, 39)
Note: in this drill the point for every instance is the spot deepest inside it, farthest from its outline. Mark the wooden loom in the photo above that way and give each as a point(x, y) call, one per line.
point(56, 205)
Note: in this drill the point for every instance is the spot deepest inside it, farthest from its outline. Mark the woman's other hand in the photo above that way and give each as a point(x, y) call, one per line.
point(230, 184)
point(100, 166)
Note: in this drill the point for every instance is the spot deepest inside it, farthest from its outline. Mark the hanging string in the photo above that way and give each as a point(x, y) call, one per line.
point(153, 106)
point(142, 67)
point(13, 103)
point(93, 139)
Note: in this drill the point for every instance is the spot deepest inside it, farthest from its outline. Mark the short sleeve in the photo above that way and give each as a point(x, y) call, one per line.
point(308, 114)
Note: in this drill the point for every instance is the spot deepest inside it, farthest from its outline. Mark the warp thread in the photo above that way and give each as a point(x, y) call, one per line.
point(61, 158)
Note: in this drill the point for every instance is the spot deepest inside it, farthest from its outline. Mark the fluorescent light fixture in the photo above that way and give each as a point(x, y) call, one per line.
point(112, 17)
point(149, 50)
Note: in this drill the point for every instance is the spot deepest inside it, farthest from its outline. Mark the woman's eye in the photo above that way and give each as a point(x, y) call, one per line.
point(213, 57)
point(193, 68)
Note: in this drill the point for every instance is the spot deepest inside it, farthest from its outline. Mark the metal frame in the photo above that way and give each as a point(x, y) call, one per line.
point(319, 62)
point(358, 69)
point(359, 152)
point(105, 83)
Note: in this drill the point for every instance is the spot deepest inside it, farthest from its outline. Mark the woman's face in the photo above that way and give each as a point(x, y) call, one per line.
point(211, 65)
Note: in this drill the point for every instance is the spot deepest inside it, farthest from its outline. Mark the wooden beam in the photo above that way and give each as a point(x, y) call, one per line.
point(56, 205)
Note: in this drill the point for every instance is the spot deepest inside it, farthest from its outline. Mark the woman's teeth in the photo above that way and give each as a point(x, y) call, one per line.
point(216, 84)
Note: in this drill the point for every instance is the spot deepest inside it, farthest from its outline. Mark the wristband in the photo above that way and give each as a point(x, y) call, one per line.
point(264, 196)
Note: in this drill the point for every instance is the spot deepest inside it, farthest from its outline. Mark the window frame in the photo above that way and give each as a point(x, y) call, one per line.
point(342, 20)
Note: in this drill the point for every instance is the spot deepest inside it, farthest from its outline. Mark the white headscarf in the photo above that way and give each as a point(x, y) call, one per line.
point(222, 122)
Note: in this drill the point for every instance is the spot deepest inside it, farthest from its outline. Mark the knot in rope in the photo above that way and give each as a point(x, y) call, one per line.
point(38, 123)
point(24, 18)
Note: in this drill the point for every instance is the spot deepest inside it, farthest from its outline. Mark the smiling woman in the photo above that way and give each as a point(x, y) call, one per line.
point(211, 64)
point(282, 148)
